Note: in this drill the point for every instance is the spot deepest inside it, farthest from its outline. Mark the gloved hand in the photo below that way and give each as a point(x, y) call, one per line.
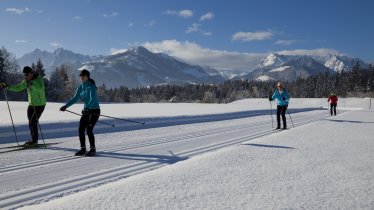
point(85, 111)
point(270, 99)
point(284, 98)
point(3, 85)
point(63, 108)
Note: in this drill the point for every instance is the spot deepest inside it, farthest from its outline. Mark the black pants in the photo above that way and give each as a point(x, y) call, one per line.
point(281, 111)
point(333, 108)
point(87, 122)
point(33, 114)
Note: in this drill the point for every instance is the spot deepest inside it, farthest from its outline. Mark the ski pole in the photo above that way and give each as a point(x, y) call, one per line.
point(112, 125)
point(271, 114)
point(290, 118)
point(10, 113)
point(133, 121)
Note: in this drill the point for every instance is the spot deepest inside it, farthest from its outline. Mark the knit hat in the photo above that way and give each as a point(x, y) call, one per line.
point(27, 70)
point(84, 72)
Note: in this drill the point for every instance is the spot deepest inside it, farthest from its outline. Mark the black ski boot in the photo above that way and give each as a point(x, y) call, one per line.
point(31, 144)
point(91, 153)
point(81, 152)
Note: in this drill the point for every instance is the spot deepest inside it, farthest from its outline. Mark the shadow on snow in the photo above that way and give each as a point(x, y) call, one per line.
point(270, 146)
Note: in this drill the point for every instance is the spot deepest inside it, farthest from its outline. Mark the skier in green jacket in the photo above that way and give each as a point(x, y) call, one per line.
point(34, 84)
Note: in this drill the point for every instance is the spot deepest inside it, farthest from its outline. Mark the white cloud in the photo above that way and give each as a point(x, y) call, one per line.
point(207, 33)
point(285, 42)
point(113, 14)
point(251, 36)
point(55, 44)
point(182, 13)
point(17, 11)
point(185, 13)
point(194, 54)
point(20, 41)
point(131, 24)
point(193, 28)
point(207, 16)
point(77, 18)
point(171, 12)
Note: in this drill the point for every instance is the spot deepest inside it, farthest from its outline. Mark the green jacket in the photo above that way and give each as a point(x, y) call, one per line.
point(35, 90)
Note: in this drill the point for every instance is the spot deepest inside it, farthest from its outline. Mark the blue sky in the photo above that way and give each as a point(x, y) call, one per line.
point(222, 33)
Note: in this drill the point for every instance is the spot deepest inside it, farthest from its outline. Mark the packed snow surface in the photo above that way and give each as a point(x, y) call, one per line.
point(196, 156)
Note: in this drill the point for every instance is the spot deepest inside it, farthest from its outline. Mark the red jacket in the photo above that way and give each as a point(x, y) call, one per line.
point(333, 99)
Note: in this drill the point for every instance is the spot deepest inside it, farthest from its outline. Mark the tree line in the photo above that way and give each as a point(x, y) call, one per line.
point(61, 85)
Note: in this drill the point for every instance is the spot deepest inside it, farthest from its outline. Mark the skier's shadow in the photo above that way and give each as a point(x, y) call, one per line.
point(166, 159)
point(140, 157)
point(349, 121)
point(269, 146)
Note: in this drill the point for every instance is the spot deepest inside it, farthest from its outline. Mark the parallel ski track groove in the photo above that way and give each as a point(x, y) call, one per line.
point(50, 190)
point(138, 145)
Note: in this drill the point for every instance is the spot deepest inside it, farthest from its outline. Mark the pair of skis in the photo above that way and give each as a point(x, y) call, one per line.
point(23, 147)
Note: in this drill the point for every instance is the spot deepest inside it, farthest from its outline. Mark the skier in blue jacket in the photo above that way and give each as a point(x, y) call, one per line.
point(282, 104)
point(90, 114)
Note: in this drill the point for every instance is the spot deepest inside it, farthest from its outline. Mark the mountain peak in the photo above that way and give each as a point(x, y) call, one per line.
point(140, 50)
point(37, 50)
point(274, 59)
point(61, 51)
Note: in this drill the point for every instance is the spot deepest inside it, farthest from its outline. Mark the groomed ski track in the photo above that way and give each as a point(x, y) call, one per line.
point(126, 153)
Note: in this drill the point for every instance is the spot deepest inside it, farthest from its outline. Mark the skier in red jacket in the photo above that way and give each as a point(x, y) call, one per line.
point(333, 99)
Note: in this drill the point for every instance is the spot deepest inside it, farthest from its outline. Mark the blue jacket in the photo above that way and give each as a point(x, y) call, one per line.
point(87, 93)
point(282, 98)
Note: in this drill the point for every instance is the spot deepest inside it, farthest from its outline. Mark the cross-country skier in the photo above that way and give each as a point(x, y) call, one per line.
point(90, 114)
point(34, 84)
point(333, 99)
point(282, 103)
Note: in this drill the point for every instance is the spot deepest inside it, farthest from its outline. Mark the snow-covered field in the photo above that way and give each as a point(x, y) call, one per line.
point(195, 156)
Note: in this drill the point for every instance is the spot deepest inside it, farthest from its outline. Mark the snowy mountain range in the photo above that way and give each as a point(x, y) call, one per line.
point(53, 60)
point(290, 67)
point(140, 67)
point(133, 68)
